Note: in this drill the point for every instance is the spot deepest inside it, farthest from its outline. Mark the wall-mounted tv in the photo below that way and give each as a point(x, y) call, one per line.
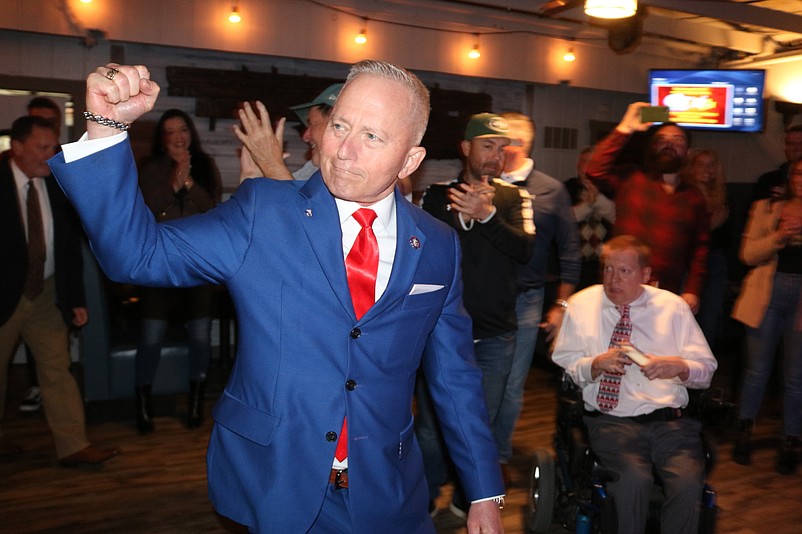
point(724, 100)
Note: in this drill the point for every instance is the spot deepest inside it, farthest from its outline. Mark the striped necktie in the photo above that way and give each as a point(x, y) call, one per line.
point(34, 280)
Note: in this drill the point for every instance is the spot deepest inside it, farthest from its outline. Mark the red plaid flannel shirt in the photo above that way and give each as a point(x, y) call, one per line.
point(675, 225)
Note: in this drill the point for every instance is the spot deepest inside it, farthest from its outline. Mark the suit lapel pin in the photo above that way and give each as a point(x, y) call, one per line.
point(308, 212)
point(414, 242)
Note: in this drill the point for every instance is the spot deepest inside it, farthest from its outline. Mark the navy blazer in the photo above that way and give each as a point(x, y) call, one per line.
point(304, 361)
point(13, 242)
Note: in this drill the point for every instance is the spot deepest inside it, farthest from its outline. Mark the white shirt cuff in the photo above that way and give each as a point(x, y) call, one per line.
point(462, 222)
point(498, 498)
point(486, 219)
point(86, 147)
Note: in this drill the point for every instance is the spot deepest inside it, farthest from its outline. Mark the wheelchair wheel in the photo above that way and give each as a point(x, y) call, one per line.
point(541, 493)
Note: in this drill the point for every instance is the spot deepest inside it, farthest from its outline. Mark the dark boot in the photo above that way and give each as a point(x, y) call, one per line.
point(196, 398)
point(144, 410)
point(788, 456)
point(742, 452)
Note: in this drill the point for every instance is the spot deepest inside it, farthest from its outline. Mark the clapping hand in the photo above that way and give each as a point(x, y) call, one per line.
point(473, 201)
point(266, 146)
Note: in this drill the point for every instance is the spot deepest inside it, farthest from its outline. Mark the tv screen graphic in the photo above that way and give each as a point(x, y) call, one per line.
point(715, 99)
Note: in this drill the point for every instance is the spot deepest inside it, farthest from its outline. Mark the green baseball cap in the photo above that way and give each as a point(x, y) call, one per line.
point(327, 97)
point(487, 125)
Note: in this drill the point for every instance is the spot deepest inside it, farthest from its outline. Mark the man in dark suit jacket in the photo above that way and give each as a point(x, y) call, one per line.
point(42, 317)
point(306, 357)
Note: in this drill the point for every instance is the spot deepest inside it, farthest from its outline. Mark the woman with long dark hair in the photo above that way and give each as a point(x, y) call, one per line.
point(177, 180)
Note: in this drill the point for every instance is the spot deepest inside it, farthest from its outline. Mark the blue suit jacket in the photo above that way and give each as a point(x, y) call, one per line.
point(304, 362)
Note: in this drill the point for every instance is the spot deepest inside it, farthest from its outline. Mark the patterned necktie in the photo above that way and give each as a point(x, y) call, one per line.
point(361, 267)
point(34, 280)
point(610, 385)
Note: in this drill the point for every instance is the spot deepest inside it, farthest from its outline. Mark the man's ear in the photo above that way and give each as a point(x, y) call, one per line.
point(16, 147)
point(412, 162)
point(465, 146)
point(647, 273)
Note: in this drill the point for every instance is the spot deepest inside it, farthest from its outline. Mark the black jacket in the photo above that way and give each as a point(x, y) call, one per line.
point(492, 253)
point(14, 251)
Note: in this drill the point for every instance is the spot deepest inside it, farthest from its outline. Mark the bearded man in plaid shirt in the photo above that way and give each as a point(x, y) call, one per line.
point(656, 204)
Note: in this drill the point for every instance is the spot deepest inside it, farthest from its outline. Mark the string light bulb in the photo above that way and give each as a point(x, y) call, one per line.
point(611, 9)
point(569, 56)
point(234, 17)
point(474, 53)
point(86, 1)
point(361, 38)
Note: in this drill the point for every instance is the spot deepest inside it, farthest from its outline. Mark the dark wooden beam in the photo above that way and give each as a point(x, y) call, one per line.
point(219, 93)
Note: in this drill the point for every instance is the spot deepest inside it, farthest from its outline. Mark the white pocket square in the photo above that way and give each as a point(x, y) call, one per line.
point(419, 289)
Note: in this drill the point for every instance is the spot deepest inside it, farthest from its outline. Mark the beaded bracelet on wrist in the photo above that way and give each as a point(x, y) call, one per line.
point(104, 121)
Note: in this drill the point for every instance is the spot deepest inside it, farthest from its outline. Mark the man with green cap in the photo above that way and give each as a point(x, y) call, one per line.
point(314, 116)
point(494, 223)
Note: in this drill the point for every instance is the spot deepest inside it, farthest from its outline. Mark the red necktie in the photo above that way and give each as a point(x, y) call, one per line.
point(361, 266)
point(362, 263)
point(610, 385)
point(34, 280)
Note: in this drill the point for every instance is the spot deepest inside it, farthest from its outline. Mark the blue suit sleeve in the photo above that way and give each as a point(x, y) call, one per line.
point(130, 246)
point(455, 386)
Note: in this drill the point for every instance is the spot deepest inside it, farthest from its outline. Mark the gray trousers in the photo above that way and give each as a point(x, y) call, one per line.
point(632, 452)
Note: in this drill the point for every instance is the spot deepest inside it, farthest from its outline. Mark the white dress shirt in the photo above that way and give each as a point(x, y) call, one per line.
point(520, 174)
point(662, 325)
point(384, 228)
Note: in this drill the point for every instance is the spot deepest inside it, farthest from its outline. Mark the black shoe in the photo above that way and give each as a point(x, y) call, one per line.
point(742, 452)
point(144, 410)
point(196, 398)
point(788, 457)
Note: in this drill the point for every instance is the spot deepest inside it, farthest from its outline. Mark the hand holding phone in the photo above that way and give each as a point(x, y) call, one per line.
point(634, 353)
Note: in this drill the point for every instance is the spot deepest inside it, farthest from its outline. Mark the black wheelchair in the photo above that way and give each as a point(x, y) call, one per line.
point(568, 487)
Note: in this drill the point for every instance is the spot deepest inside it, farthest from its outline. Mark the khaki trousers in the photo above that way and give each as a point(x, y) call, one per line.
point(40, 324)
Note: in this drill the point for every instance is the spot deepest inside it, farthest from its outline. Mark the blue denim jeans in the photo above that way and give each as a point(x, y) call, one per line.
point(148, 352)
point(494, 356)
point(761, 346)
point(529, 310)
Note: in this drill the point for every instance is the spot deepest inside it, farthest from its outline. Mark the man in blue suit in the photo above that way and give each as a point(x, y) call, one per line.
point(308, 360)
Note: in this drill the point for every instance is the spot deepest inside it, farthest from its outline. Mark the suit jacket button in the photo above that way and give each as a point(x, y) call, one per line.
point(331, 437)
point(350, 385)
point(355, 333)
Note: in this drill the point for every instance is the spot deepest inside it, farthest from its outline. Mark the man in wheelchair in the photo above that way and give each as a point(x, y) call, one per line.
point(633, 350)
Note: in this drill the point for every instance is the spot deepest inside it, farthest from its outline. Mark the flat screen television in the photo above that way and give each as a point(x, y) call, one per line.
point(714, 99)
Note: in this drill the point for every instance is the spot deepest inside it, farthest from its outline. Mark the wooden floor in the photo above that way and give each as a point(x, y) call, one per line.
point(157, 485)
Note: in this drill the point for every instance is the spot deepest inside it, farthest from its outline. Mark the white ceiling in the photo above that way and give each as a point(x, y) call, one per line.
point(719, 30)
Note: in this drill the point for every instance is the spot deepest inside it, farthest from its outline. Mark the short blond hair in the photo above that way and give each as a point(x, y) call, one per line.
point(628, 242)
